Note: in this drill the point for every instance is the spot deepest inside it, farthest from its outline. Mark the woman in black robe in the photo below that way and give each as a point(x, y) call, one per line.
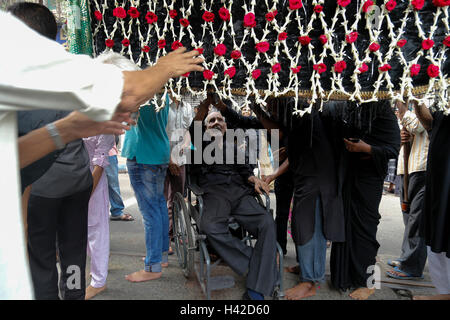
point(363, 170)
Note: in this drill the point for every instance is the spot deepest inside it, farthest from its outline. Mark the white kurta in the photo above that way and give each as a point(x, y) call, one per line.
point(37, 73)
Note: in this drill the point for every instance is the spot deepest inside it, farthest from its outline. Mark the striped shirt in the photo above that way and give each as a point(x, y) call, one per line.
point(417, 160)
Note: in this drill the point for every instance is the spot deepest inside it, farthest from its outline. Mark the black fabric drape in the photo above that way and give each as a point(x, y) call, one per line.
point(437, 190)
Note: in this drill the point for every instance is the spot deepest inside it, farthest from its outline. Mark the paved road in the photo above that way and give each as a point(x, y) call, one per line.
point(127, 249)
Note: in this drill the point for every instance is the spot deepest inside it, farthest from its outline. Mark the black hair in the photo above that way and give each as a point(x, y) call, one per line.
point(37, 17)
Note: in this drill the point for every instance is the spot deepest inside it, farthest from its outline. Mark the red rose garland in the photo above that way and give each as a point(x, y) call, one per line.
point(350, 38)
point(364, 68)
point(119, 12)
point(208, 16)
point(282, 36)
point(304, 40)
point(320, 68)
point(184, 22)
point(186, 74)
point(318, 8)
point(256, 73)
point(401, 43)
point(173, 14)
point(414, 70)
point(133, 12)
point(161, 44)
point(367, 5)
point(343, 3)
point(249, 20)
point(340, 66)
point(433, 71)
point(385, 67)
point(296, 69)
point(441, 3)
point(151, 17)
point(176, 44)
point(446, 41)
point(271, 15)
point(427, 44)
point(231, 71)
point(208, 74)
point(200, 50)
point(146, 49)
point(295, 4)
point(220, 49)
point(235, 54)
point(323, 39)
point(125, 42)
point(109, 43)
point(224, 14)
point(98, 15)
point(417, 4)
point(276, 68)
point(374, 47)
point(262, 46)
point(390, 5)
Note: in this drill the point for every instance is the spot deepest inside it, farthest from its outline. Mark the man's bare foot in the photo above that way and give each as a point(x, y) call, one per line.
point(433, 297)
point(362, 293)
point(300, 291)
point(294, 269)
point(92, 292)
point(142, 275)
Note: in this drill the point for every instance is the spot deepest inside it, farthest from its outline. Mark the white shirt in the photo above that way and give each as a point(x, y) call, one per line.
point(178, 118)
point(30, 62)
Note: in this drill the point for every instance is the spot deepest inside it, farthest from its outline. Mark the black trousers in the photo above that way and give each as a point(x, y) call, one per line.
point(259, 263)
point(284, 190)
point(62, 220)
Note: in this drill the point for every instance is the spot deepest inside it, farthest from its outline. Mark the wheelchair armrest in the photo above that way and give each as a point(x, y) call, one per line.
point(266, 205)
point(195, 189)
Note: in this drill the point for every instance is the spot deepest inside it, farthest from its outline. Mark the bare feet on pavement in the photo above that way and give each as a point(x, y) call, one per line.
point(142, 275)
point(293, 269)
point(300, 291)
point(362, 293)
point(92, 292)
point(434, 297)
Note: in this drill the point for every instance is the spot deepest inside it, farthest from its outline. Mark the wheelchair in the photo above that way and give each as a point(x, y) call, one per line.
point(191, 245)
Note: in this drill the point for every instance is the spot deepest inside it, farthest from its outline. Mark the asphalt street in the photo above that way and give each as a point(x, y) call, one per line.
point(128, 248)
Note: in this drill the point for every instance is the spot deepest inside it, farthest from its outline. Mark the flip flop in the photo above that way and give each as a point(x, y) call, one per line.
point(123, 217)
point(406, 276)
point(394, 263)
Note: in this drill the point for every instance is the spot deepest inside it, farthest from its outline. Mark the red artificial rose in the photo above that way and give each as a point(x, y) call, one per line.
point(343, 3)
point(296, 69)
point(133, 12)
point(390, 5)
point(256, 73)
point(276, 68)
point(231, 71)
point(446, 41)
point(363, 68)
point(433, 71)
point(208, 16)
point(271, 15)
point(173, 14)
point(374, 47)
point(350, 38)
point(98, 15)
point(323, 38)
point(441, 3)
point(162, 44)
point(151, 17)
point(176, 44)
point(427, 44)
point(125, 42)
point(262, 46)
point(186, 74)
point(401, 43)
point(282, 36)
point(385, 67)
point(208, 74)
point(320, 68)
point(184, 22)
point(295, 4)
point(414, 70)
point(220, 49)
point(200, 50)
point(418, 4)
point(235, 54)
point(249, 20)
point(224, 14)
point(367, 5)
point(146, 49)
point(119, 12)
point(340, 66)
point(109, 43)
point(318, 8)
point(304, 40)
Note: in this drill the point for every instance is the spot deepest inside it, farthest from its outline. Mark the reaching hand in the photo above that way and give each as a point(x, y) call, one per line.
point(405, 136)
point(179, 62)
point(260, 186)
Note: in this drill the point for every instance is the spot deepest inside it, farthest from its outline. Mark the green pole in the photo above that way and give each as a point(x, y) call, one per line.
point(79, 36)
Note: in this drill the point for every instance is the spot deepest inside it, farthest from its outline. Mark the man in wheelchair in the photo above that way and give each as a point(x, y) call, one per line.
point(229, 190)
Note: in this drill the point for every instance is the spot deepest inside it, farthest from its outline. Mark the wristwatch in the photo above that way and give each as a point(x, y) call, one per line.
point(51, 128)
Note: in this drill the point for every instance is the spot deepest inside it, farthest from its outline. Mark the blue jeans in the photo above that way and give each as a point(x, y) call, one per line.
point(312, 255)
point(148, 185)
point(115, 199)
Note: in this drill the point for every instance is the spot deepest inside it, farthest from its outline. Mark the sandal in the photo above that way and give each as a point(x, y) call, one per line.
point(123, 217)
point(397, 274)
point(394, 263)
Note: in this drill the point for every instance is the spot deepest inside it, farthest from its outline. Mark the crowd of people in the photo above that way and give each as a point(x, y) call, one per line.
point(332, 166)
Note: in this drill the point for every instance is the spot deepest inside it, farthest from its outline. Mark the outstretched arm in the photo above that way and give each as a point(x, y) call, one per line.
point(424, 115)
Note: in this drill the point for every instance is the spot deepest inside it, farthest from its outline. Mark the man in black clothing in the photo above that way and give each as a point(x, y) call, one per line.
point(229, 190)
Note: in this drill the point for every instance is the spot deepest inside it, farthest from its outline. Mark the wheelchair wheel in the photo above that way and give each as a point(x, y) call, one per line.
point(183, 235)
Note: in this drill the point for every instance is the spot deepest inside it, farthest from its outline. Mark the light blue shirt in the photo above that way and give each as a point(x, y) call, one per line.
point(148, 141)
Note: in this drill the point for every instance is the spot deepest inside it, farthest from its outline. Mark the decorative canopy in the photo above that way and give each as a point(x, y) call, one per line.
point(358, 50)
